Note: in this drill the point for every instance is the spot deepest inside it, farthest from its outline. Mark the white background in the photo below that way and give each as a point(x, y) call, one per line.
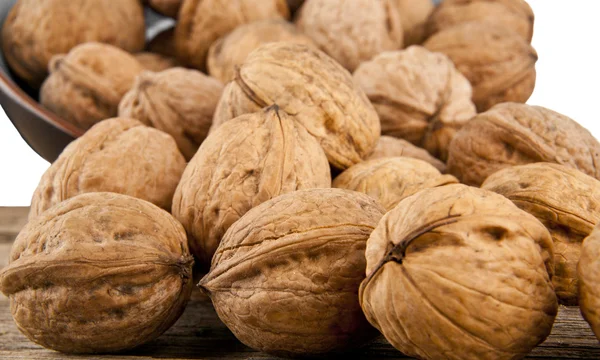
point(566, 38)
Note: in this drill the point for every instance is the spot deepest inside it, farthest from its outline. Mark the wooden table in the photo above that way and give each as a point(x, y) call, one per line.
point(200, 335)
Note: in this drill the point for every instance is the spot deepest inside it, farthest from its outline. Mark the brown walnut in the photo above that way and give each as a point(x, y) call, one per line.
point(202, 22)
point(389, 180)
point(314, 89)
point(100, 272)
point(118, 155)
point(517, 134)
point(168, 8)
point(178, 101)
point(414, 15)
point(352, 31)
point(389, 146)
point(286, 275)
point(566, 201)
point(472, 266)
point(86, 85)
point(235, 170)
point(35, 31)
point(588, 272)
point(155, 62)
point(419, 96)
point(498, 62)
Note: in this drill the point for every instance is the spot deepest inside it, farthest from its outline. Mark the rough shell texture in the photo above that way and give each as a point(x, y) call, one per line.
point(118, 155)
point(202, 22)
point(516, 134)
point(515, 15)
point(389, 146)
point(352, 31)
point(242, 164)
point(155, 62)
point(312, 87)
point(178, 101)
point(389, 180)
point(231, 50)
point(566, 200)
point(419, 96)
point(285, 278)
point(35, 31)
point(588, 272)
point(163, 43)
point(100, 272)
point(473, 266)
point(86, 85)
point(498, 62)
point(168, 8)
point(414, 15)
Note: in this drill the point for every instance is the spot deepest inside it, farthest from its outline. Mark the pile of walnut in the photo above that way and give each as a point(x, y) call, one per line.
point(311, 168)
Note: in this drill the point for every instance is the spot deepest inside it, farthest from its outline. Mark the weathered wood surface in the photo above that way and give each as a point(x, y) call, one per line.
point(200, 335)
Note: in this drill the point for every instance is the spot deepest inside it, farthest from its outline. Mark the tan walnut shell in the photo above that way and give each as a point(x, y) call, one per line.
point(498, 62)
point(285, 278)
point(242, 164)
point(351, 31)
point(35, 31)
point(178, 101)
point(314, 89)
point(472, 266)
point(86, 85)
point(414, 15)
point(419, 96)
point(118, 155)
point(517, 134)
point(389, 146)
point(168, 8)
point(155, 62)
point(515, 15)
point(389, 180)
point(100, 272)
point(588, 272)
point(202, 22)
point(232, 49)
point(566, 201)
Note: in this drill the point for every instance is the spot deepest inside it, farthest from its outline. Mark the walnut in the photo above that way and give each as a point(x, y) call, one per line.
point(100, 272)
point(312, 87)
point(352, 31)
point(389, 180)
point(234, 171)
point(515, 15)
point(588, 271)
point(117, 155)
point(155, 62)
point(516, 134)
point(178, 101)
point(35, 31)
point(163, 43)
point(566, 201)
point(498, 62)
point(202, 22)
point(292, 267)
point(168, 8)
point(86, 85)
point(419, 96)
point(473, 266)
point(231, 50)
point(388, 146)
point(413, 15)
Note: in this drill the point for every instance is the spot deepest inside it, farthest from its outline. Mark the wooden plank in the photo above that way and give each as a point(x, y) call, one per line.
point(12, 220)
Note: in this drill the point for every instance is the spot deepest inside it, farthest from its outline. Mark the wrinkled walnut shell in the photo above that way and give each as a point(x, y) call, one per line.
point(460, 273)
point(414, 15)
point(588, 272)
point(389, 146)
point(292, 267)
point(155, 62)
point(168, 8)
point(100, 272)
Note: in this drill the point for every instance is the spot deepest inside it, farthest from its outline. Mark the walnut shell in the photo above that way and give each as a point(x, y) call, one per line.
point(235, 171)
point(515, 15)
point(516, 134)
point(202, 22)
point(312, 87)
point(155, 62)
point(389, 146)
point(419, 96)
point(588, 272)
point(168, 8)
point(498, 62)
point(35, 31)
point(473, 266)
point(178, 101)
point(86, 85)
point(285, 277)
point(163, 43)
point(232, 49)
point(118, 155)
point(389, 180)
point(566, 201)
point(351, 31)
point(100, 272)
point(414, 15)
